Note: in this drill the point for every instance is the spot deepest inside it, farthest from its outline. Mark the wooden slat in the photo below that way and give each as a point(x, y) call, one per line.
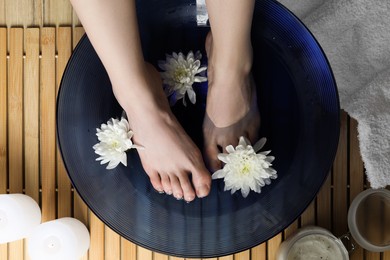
point(259, 252)
point(37, 19)
point(57, 12)
point(273, 245)
point(112, 245)
point(15, 125)
point(78, 32)
point(19, 12)
point(96, 250)
point(80, 209)
point(47, 124)
point(158, 256)
point(75, 20)
point(31, 113)
point(244, 255)
point(15, 111)
point(2, 13)
point(3, 110)
point(290, 230)
point(129, 250)
point(3, 251)
point(356, 168)
point(174, 258)
point(340, 181)
point(372, 256)
point(3, 122)
point(308, 217)
point(356, 175)
point(386, 255)
point(229, 257)
point(64, 49)
point(144, 254)
point(324, 205)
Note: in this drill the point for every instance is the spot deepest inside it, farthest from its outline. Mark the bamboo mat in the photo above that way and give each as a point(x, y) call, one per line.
point(32, 61)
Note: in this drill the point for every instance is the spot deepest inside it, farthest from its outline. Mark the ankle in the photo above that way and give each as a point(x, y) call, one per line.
point(230, 64)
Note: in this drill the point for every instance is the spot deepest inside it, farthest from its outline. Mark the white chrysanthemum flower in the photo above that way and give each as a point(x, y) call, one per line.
point(244, 168)
point(180, 74)
point(115, 140)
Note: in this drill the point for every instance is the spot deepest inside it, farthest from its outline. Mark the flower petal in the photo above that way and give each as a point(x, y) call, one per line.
point(191, 95)
point(230, 149)
point(223, 157)
point(245, 192)
point(112, 164)
point(218, 174)
point(259, 144)
point(201, 69)
point(200, 79)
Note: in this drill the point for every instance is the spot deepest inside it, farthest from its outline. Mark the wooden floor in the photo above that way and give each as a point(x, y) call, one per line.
point(32, 59)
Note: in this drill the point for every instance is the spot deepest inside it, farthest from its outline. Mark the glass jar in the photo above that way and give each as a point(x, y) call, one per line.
point(313, 243)
point(369, 220)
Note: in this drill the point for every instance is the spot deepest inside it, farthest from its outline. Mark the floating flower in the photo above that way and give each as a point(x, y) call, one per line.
point(180, 74)
point(244, 168)
point(115, 140)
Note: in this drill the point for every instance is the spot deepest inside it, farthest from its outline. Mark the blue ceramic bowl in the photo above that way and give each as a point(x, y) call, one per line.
point(299, 108)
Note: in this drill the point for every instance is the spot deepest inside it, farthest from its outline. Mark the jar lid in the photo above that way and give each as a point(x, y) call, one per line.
point(369, 219)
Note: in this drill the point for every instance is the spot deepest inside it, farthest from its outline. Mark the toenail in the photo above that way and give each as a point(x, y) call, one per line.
point(159, 191)
point(169, 192)
point(189, 199)
point(179, 197)
point(203, 191)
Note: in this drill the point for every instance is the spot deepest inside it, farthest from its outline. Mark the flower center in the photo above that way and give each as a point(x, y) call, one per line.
point(245, 168)
point(180, 74)
point(115, 144)
point(245, 164)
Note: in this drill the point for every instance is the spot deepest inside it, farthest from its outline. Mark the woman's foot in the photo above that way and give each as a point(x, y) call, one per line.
point(172, 161)
point(231, 109)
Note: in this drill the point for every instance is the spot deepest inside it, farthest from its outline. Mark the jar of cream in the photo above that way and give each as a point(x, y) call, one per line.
point(313, 243)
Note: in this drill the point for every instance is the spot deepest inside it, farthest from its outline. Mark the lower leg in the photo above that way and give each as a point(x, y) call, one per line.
point(169, 156)
point(231, 109)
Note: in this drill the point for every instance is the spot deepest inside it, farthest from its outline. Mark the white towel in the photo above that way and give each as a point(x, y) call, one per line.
point(355, 35)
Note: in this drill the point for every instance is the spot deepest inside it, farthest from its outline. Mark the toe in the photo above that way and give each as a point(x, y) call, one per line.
point(201, 179)
point(166, 183)
point(155, 180)
point(231, 139)
point(176, 188)
point(188, 191)
point(211, 157)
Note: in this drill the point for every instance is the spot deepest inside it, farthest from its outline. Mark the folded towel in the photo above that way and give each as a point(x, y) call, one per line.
point(355, 35)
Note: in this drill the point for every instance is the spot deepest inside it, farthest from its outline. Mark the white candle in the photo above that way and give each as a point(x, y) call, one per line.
point(61, 239)
point(19, 215)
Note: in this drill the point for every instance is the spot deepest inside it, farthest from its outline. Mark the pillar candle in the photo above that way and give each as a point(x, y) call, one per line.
point(61, 239)
point(19, 215)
